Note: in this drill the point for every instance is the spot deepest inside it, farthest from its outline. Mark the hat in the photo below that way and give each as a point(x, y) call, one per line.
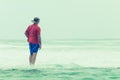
point(36, 20)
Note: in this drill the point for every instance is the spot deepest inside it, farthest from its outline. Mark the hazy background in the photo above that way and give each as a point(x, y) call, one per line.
point(61, 19)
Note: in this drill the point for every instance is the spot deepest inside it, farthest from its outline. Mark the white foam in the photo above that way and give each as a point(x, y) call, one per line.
point(89, 55)
point(86, 58)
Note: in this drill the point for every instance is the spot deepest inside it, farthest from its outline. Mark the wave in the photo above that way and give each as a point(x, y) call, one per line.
point(59, 72)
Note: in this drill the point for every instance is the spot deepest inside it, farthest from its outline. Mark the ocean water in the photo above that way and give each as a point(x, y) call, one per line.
point(90, 59)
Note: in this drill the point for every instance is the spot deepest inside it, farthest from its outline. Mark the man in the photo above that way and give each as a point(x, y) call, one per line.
point(34, 38)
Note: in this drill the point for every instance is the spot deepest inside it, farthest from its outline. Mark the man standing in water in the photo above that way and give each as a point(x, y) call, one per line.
point(34, 38)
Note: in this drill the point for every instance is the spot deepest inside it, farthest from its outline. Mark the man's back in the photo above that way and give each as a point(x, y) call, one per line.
point(33, 31)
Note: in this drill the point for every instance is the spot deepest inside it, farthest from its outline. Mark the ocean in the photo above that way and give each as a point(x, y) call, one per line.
point(79, 59)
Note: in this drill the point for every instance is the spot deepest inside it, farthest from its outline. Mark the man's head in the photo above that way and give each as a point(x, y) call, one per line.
point(36, 20)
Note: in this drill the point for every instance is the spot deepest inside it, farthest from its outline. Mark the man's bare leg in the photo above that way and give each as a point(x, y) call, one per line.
point(33, 58)
point(30, 59)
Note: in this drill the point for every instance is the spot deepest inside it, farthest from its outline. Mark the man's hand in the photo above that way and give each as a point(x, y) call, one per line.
point(40, 46)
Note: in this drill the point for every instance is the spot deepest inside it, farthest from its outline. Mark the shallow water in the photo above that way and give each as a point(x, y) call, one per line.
point(61, 60)
point(59, 72)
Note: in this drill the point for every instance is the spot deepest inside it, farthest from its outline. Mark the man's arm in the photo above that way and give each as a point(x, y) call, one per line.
point(26, 34)
point(39, 40)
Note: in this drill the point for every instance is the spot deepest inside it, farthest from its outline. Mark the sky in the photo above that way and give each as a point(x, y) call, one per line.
point(61, 19)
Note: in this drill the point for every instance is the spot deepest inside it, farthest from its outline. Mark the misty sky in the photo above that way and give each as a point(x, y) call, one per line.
point(61, 19)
